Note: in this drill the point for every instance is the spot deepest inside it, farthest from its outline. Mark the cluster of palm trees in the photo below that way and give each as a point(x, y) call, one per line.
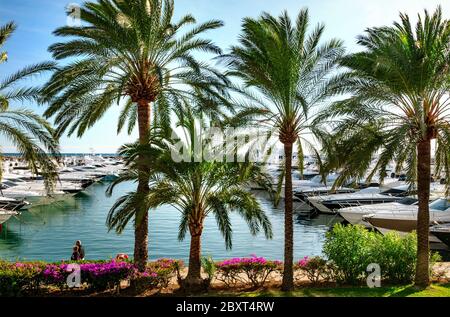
point(388, 102)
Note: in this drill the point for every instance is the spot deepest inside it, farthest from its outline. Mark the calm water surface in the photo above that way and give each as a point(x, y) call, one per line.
point(48, 233)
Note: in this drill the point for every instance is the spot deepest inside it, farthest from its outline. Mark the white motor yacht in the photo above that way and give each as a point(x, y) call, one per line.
point(406, 220)
point(354, 215)
point(367, 196)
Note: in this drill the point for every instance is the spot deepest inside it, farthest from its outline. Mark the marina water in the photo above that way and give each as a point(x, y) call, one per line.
point(49, 232)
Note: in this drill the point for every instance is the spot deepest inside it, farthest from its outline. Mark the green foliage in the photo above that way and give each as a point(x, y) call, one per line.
point(15, 278)
point(32, 136)
point(394, 97)
point(22, 277)
point(127, 52)
point(352, 248)
point(397, 256)
point(196, 188)
point(209, 267)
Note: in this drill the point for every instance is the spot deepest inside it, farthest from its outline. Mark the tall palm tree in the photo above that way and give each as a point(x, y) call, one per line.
point(288, 70)
point(31, 135)
point(196, 187)
point(398, 104)
point(132, 54)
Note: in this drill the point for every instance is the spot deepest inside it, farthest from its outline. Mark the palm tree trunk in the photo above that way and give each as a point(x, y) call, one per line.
point(423, 217)
point(194, 259)
point(288, 272)
point(141, 226)
point(193, 281)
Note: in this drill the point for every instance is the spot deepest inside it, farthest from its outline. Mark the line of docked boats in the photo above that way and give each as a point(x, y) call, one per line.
point(385, 206)
point(20, 189)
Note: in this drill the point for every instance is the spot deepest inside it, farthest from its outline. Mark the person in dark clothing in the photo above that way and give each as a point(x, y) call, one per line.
point(75, 254)
point(80, 249)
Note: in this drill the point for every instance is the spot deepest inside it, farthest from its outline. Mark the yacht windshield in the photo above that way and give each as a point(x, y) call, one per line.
point(370, 190)
point(440, 204)
point(316, 179)
point(408, 201)
point(9, 183)
point(330, 178)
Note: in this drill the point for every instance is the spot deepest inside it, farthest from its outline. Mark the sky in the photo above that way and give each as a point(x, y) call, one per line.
point(343, 19)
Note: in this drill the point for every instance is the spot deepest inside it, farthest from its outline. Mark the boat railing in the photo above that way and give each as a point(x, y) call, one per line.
point(355, 203)
point(10, 206)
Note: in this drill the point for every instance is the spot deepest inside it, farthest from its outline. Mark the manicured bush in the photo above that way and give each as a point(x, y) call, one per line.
point(157, 274)
point(254, 270)
point(315, 269)
point(350, 248)
point(102, 276)
point(98, 275)
point(397, 257)
point(18, 277)
point(55, 275)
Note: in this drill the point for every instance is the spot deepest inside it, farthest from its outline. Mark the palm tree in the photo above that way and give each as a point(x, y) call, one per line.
point(288, 70)
point(132, 54)
point(196, 187)
point(31, 135)
point(398, 104)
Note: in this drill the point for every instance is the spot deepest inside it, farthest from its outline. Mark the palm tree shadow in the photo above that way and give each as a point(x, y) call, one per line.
point(406, 292)
point(411, 290)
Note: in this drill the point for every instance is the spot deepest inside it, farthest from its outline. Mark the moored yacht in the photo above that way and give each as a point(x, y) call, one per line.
point(354, 215)
point(301, 197)
point(367, 196)
point(317, 182)
point(406, 220)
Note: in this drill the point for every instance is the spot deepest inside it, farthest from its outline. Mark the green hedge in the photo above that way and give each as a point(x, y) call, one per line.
point(352, 248)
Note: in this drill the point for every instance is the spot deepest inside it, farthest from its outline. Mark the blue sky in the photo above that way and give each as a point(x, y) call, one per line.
point(36, 20)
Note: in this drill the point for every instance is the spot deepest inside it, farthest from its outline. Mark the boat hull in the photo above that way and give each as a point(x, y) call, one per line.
point(444, 236)
point(432, 238)
point(404, 225)
point(354, 218)
point(5, 216)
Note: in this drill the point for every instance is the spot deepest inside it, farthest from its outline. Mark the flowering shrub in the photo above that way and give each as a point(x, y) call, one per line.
point(254, 270)
point(98, 275)
point(101, 276)
point(157, 274)
point(315, 268)
point(54, 274)
point(17, 277)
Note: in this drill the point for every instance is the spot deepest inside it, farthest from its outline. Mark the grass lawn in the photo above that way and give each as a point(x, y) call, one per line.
point(436, 290)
